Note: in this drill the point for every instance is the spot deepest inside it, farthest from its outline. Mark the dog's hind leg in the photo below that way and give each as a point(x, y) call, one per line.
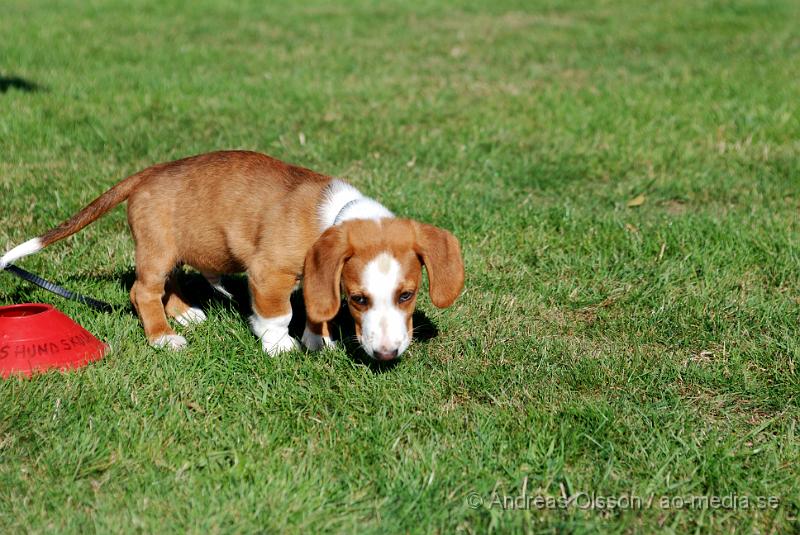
point(176, 305)
point(146, 295)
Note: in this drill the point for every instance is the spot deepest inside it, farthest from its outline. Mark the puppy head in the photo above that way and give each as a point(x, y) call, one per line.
point(378, 265)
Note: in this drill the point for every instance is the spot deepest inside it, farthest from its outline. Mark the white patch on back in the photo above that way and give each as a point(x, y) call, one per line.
point(383, 326)
point(24, 249)
point(342, 202)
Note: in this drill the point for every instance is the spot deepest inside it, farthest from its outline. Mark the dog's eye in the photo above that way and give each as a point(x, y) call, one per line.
point(359, 299)
point(405, 296)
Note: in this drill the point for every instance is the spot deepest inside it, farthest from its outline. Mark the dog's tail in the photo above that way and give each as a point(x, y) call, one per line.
point(97, 208)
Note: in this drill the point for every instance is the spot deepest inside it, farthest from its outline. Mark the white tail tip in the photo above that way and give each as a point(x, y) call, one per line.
point(22, 250)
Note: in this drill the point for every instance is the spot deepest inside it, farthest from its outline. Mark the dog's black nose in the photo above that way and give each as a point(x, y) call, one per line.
point(386, 355)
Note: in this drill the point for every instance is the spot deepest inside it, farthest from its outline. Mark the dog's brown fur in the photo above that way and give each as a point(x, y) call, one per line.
point(234, 211)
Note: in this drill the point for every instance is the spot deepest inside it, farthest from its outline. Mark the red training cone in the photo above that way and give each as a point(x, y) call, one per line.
point(35, 337)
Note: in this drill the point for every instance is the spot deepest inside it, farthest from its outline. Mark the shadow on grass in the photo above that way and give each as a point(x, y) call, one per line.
point(199, 293)
point(15, 82)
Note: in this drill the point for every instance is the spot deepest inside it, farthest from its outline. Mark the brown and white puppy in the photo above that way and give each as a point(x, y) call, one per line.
point(238, 211)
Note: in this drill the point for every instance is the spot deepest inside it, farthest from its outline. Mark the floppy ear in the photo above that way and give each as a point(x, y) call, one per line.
point(441, 255)
point(322, 272)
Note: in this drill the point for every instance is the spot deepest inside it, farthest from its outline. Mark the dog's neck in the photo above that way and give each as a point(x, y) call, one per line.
point(342, 202)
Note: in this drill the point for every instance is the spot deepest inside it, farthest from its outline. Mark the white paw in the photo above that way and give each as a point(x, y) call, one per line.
point(276, 343)
point(315, 342)
point(174, 342)
point(193, 315)
point(274, 333)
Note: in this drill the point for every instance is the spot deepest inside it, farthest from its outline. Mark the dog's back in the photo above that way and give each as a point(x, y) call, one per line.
point(217, 211)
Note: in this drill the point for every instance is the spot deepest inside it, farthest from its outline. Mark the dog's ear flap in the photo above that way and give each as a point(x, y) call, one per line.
point(441, 254)
point(322, 273)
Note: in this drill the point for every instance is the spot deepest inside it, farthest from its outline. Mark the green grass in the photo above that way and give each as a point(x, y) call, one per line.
point(598, 348)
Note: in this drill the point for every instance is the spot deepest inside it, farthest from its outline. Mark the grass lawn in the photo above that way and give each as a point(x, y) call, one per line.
point(624, 179)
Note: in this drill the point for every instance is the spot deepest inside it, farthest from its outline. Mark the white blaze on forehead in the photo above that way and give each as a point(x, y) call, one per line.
point(384, 263)
point(380, 278)
point(383, 325)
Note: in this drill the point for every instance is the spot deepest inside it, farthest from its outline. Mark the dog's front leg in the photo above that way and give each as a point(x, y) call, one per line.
point(317, 336)
point(272, 310)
